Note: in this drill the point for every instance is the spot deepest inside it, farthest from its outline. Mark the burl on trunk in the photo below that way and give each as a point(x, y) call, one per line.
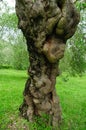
point(46, 25)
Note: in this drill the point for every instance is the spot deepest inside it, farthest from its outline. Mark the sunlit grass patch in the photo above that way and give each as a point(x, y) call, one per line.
point(71, 91)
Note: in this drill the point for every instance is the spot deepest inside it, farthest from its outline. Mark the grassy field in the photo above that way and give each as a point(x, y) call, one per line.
point(71, 90)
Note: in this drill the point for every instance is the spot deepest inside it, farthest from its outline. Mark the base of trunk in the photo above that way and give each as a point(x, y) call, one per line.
point(39, 95)
point(49, 106)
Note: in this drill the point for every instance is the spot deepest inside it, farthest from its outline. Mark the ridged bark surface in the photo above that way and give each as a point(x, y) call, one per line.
point(46, 25)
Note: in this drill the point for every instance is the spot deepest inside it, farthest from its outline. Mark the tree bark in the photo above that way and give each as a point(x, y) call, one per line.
point(46, 25)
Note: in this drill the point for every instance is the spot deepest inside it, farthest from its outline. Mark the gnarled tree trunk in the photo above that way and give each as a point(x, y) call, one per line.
point(46, 25)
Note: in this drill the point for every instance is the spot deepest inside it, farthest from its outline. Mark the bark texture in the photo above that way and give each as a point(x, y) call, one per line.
point(46, 25)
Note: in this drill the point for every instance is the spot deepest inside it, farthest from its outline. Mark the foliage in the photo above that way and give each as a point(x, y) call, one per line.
point(78, 49)
point(81, 5)
point(6, 55)
point(72, 95)
point(9, 20)
point(13, 51)
point(20, 54)
point(14, 55)
point(74, 60)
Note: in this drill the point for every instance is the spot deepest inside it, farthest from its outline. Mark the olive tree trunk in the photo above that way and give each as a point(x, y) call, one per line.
point(46, 25)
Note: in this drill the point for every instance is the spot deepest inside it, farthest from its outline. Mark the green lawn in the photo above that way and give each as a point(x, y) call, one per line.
point(72, 93)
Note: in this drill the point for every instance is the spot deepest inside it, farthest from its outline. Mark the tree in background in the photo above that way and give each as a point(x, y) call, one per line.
point(20, 52)
point(46, 26)
point(12, 48)
point(74, 61)
point(6, 55)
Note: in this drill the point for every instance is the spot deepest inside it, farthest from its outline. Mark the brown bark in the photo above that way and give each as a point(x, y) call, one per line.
point(46, 25)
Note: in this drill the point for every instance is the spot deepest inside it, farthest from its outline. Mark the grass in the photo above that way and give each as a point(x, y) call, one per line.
point(71, 90)
point(73, 101)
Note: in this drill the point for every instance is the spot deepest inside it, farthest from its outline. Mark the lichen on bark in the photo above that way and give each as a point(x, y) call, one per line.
point(46, 25)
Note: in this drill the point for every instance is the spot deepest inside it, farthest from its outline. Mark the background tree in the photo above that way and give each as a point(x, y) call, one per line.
point(74, 61)
point(20, 52)
point(10, 39)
